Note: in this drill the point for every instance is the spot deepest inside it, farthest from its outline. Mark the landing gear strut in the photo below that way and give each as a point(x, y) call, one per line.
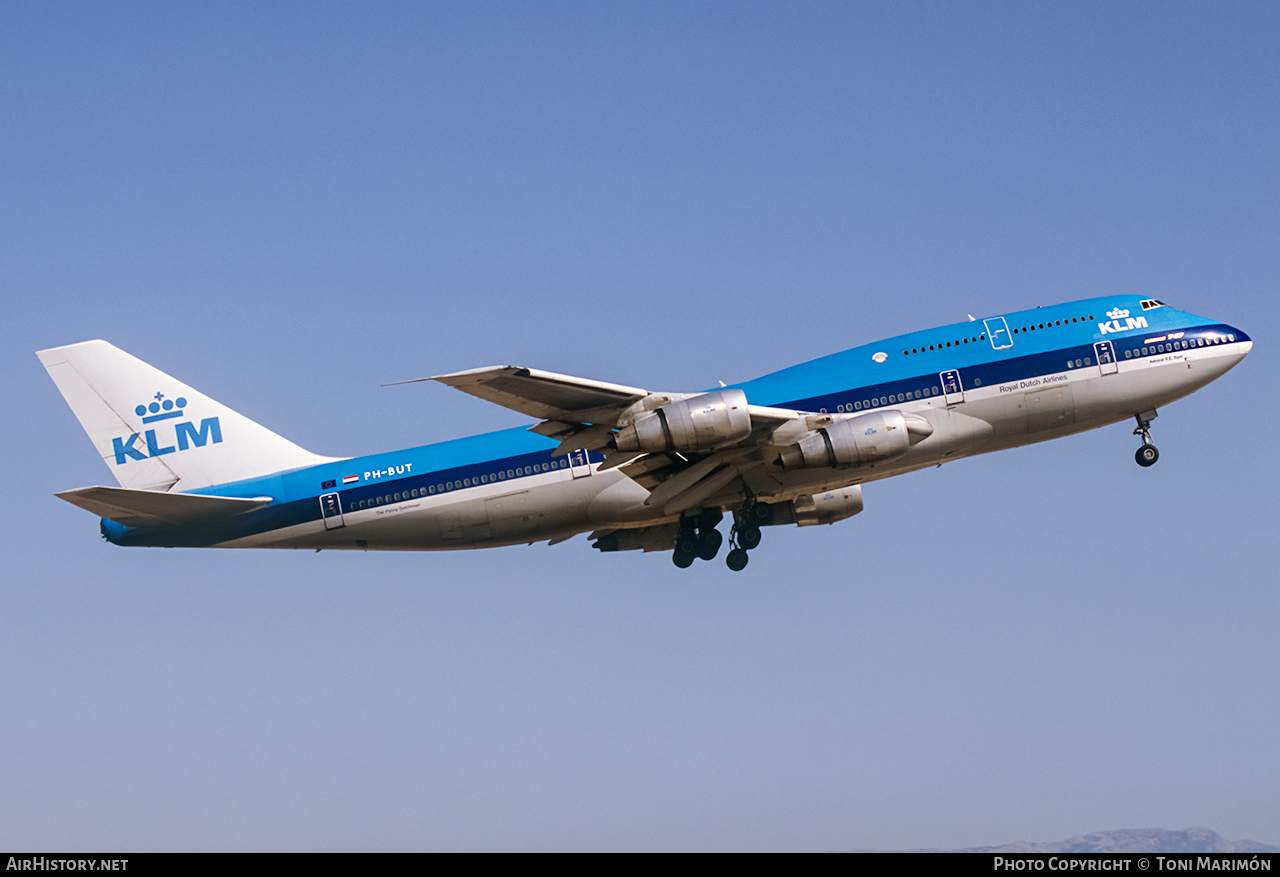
point(745, 534)
point(698, 537)
point(1147, 454)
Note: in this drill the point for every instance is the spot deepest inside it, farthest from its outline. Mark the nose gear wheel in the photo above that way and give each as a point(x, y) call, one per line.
point(1147, 454)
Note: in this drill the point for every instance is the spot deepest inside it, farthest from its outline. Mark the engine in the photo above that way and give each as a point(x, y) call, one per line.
point(829, 507)
point(711, 420)
point(857, 441)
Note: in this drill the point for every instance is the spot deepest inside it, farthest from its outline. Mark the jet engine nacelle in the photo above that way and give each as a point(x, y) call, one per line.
point(701, 423)
point(857, 441)
point(829, 507)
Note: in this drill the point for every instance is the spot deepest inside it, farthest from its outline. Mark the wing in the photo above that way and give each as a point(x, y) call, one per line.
point(581, 413)
point(546, 395)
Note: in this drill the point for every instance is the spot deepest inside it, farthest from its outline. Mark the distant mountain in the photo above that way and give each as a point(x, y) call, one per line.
point(1128, 840)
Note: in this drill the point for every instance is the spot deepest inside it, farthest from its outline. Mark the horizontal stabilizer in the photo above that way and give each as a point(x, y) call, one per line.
point(139, 508)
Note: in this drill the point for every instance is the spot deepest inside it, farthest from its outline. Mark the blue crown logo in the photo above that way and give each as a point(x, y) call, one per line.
point(161, 409)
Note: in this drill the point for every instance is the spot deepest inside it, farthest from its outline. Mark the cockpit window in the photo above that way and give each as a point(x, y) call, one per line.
point(1150, 303)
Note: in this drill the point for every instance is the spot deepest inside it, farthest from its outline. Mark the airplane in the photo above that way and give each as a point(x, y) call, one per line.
point(639, 470)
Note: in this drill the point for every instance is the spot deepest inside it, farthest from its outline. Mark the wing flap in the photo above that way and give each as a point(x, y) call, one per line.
point(139, 508)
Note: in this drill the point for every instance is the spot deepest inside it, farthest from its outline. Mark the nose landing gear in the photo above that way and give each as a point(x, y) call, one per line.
point(1147, 454)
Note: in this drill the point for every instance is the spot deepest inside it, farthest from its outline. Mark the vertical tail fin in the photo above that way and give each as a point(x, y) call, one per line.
point(157, 433)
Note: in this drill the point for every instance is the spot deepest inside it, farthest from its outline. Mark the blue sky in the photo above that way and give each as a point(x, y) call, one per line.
point(287, 206)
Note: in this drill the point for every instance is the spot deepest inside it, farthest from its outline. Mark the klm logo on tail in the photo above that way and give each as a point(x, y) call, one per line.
point(184, 435)
point(1115, 324)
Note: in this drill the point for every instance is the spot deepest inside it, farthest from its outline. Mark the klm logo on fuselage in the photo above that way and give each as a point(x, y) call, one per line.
point(158, 441)
point(1120, 321)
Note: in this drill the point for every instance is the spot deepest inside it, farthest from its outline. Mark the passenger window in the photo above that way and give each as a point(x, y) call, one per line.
point(1086, 360)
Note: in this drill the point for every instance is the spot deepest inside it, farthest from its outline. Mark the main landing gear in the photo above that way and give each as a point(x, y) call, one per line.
point(745, 534)
point(698, 538)
point(1147, 454)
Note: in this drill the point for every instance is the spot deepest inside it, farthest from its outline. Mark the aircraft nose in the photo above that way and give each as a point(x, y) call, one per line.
point(1245, 342)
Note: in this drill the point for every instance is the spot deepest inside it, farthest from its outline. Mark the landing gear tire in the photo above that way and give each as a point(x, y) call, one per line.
point(682, 559)
point(737, 560)
point(749, 537)
point(1147, 454)
point(709, 544)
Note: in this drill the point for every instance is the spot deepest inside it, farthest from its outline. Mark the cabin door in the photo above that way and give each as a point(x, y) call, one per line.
point(952, 387)
point(331, 511)
point(998, 333)
point(579, 463)
point(1106, 353)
